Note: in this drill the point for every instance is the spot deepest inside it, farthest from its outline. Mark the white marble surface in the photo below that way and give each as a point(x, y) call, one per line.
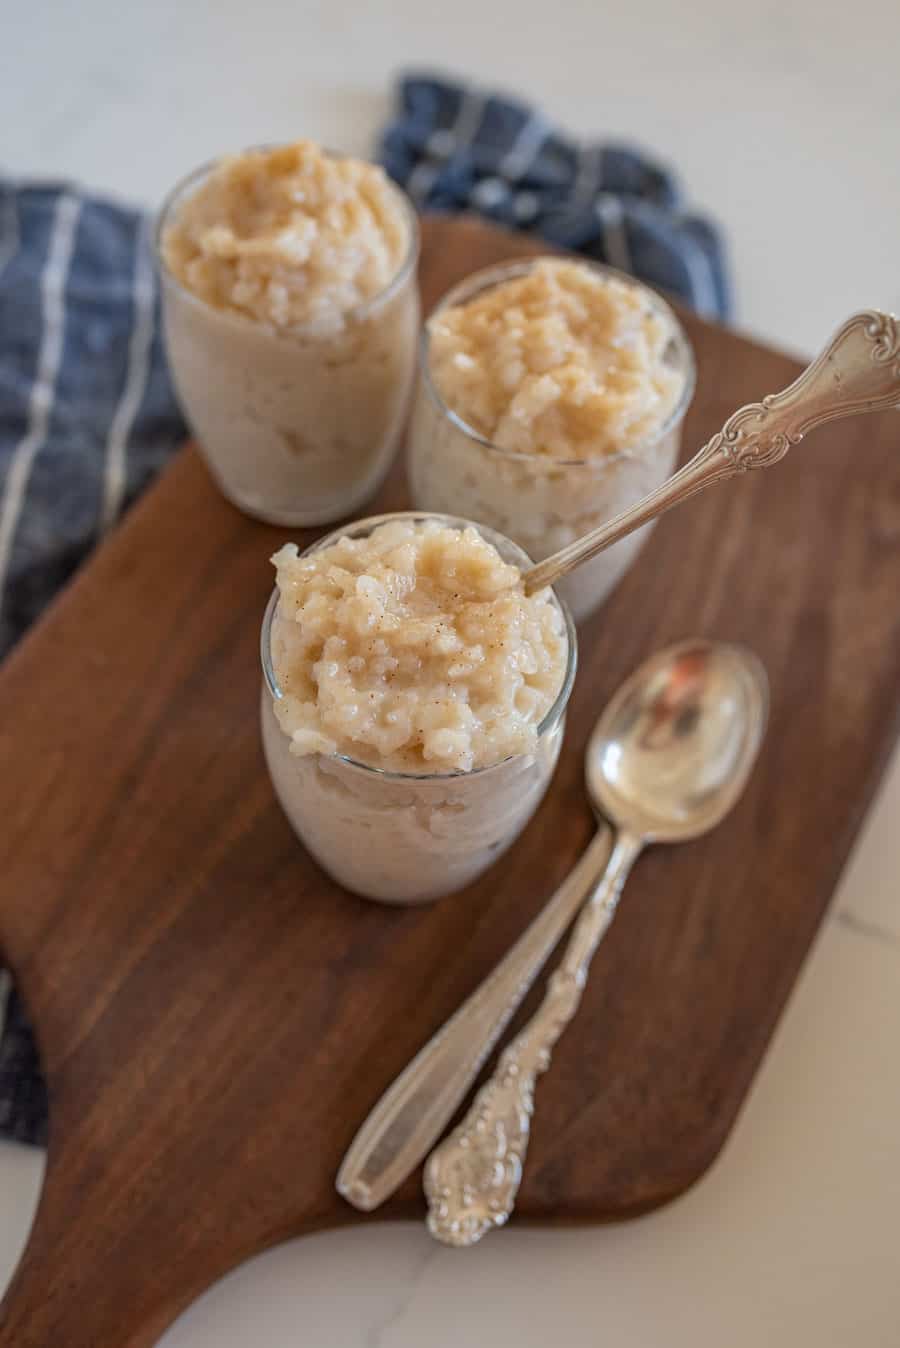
point(783, 121)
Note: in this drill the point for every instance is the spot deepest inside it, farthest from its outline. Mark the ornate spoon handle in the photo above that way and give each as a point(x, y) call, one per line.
point(858, 371)
point(472, 1178)
point(416, 1109)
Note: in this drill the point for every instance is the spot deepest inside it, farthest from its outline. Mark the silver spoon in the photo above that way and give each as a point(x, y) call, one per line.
point(416, 1108)
point(858, 371)
point(666, 762)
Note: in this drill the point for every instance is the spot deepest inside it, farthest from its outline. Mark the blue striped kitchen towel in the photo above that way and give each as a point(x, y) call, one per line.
point(87, 417)
point(455, 147)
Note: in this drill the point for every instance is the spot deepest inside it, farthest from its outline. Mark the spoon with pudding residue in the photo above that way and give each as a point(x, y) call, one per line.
point(858, 371)
point(677, 741)
point(667, 760)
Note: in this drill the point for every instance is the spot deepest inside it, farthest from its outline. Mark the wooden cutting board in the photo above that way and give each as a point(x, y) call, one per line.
point(216, 1017)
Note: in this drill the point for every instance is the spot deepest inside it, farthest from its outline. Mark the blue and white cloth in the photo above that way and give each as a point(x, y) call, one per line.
point(87, 417)
point(454, 147)
point(87, 412)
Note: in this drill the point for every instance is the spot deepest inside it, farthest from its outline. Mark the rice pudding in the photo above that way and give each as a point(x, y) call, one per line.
point(414, 703)
point(551, 396)
point(291, 313)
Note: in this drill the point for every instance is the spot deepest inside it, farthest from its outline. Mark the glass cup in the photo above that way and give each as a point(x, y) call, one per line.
point(297, 427)
point(402, 837)
point(542, 502)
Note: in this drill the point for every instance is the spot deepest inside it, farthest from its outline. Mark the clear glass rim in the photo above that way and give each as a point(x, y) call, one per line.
point(550, 720)
point(367, 309)
point(491, 276)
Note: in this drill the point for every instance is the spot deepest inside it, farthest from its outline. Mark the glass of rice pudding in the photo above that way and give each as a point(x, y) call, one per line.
point(413, 700)
point(291, 313)
point(551, 396)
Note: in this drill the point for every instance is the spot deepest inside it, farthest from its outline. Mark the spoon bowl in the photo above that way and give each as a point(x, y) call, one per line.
point(674, 747)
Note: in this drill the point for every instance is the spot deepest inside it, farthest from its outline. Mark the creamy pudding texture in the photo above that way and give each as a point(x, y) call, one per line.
point(414, 650)
point(289, 236)
point(408, 645)
point(551, 397)
point(291, 316)
point(563, 361)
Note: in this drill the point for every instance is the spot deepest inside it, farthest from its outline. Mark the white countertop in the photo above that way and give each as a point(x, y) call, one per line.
point(783, 122)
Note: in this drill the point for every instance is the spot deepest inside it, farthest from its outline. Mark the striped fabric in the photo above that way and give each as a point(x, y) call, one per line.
point(87, 417)
point(455, 147)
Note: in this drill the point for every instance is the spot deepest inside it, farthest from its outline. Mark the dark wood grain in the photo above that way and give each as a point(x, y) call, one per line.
point(216, 1017)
